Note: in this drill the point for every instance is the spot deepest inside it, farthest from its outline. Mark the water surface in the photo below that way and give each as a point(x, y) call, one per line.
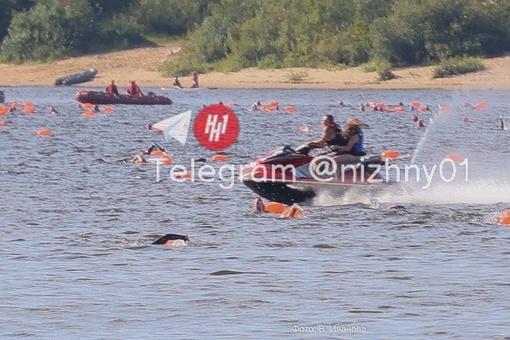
point(77, 221)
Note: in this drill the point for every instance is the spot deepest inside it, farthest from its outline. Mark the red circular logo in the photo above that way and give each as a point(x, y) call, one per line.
point(216, 127)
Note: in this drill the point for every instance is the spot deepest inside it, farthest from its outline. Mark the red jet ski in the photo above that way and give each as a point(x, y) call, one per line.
point(290, 175)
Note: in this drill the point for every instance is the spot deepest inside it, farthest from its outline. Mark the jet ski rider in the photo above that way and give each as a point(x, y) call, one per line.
point(331, 134)
point(354, 147)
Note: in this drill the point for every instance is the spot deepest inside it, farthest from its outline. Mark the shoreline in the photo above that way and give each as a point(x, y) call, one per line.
point(141, 64)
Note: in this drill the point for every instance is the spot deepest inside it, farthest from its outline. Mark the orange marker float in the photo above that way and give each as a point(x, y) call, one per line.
point(107, 109)
point(184, 175)
point(274, 207)
point(89, 114)
point(480, 105)
point(219, 158)
point(157, 153)
point(2, 123)
point(290, 108)
point(44, 132)
point(167, 159)
point(504, 218)
point(415, 104)
point(28, 109)
point(274, 103)
point(455, 157)
point(391, 154)
point(163, 156)
point(268, 108)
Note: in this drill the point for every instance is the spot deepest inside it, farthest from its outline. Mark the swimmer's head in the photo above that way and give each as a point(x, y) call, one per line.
point(172, 240)
point(258, 205)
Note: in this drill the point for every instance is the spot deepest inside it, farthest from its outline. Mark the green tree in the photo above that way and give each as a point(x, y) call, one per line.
point(173, 17)
point(51, 29)
point(9, 7)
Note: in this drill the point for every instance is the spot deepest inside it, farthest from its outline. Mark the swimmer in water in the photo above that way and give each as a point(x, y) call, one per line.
point(139, 158)
point(173, 240)
point(291, 212)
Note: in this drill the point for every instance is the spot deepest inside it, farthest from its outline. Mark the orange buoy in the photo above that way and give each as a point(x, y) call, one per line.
point(504, 218)
point(423, 109)
point(391, 154)
point(2, 123)
point(44, 132)
point(274, 103)
point(87, 105)
point(89, 114)
point(167, 159)
point(268, 108)
point(28, 109)
point(455, 157)
point(415, 104)
point(443, 108)
point(107, 109)
point(157, 153)
point(274, 207)
point(480, 105)
point(219, 158)
point(183, 175)
point(28, 104)
point(290, 108)
point(15, 105)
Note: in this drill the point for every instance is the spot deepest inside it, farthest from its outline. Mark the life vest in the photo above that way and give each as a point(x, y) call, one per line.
point(357, 148)
point(133, 89)
point(339, 139)
point(110, 89)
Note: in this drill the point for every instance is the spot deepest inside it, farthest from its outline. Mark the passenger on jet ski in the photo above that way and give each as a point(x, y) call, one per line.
point(331, 136)
point(353, 150)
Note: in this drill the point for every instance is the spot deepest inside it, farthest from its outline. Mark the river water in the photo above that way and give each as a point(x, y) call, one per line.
point(77, 221)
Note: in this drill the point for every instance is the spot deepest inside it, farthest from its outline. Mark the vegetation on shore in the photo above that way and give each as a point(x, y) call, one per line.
point(229, 35)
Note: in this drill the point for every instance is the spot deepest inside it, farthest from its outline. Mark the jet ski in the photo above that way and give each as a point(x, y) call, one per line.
point(290, 175)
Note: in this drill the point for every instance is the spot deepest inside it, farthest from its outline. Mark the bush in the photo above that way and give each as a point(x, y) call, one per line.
point(456, 66)
point(297, 77)
point(370, 66)
point(382, 67)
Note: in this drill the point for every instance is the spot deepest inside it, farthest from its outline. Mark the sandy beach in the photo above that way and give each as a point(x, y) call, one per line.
point(142, 64)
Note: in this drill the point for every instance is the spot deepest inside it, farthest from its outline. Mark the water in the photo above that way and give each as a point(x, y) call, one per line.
point(77, 223)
